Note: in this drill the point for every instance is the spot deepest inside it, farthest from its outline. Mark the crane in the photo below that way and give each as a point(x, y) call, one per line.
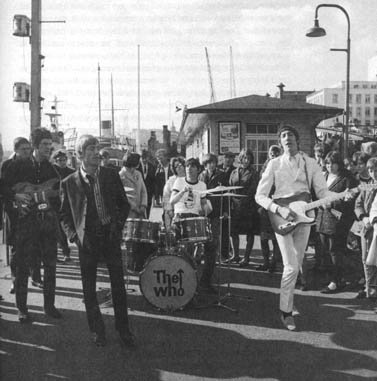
point(213, 96)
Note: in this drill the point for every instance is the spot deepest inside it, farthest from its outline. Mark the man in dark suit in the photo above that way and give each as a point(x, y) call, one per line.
point(163, 172)
point(148, 171)
point(94, 210)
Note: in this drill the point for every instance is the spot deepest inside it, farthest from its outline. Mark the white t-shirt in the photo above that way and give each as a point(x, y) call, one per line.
point(190, 201)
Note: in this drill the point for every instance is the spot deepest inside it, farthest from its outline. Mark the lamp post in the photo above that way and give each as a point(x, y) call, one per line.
point(317, 31)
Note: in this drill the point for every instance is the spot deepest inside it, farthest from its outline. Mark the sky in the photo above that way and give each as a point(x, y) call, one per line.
point(267, 38)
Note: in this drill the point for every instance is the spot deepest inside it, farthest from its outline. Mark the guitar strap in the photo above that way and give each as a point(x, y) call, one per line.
point(306, 173)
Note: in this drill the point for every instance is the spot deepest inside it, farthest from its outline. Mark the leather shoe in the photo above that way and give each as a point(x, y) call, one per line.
point(12, 290)
point(24, 317)
point(204, 289)
point(52, 312)
point(128, 339)
point(361, 295)
point(37, 284)
point(262, 268)
point(99, 339)
point(288, 322)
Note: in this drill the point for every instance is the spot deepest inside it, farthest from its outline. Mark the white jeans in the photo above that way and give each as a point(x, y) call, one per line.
point(292, 247)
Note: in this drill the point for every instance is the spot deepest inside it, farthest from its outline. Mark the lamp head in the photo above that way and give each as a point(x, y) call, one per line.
point(316, 31)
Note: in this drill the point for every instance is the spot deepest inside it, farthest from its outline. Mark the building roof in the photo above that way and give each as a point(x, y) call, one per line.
point(260, 103)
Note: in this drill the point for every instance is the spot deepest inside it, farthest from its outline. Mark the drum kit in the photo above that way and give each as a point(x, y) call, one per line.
point(169, 279)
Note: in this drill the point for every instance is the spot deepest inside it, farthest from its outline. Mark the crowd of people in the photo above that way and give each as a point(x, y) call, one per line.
point(48, 205)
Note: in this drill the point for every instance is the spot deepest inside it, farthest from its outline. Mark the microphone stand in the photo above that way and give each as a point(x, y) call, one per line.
point(228, 294)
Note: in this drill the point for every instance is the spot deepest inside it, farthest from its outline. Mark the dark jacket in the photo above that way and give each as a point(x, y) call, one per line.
point(227, 172)
point(327, 222)
point(244, 209)
point(160, 179)
point(364, 201)
point(74, 202)
point(149, 179)
point(213, 181)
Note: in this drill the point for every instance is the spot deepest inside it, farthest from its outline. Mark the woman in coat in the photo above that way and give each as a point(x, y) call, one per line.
point(335, 219)
point(244, 214)
point(138, 200)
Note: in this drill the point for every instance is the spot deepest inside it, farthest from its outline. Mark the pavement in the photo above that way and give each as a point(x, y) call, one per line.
point(335, 337)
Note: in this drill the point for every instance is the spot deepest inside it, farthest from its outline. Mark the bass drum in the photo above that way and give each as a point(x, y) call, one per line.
point(168, 282)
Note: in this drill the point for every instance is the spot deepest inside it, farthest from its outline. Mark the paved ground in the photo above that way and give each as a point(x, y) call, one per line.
point(336, 337)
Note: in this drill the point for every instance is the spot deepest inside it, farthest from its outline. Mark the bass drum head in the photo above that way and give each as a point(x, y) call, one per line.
point(168, 282)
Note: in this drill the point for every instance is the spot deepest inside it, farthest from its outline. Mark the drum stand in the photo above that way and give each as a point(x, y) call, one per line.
point(219, 302)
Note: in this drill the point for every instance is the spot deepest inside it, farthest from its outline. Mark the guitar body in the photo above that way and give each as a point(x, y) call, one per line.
point(282, 226)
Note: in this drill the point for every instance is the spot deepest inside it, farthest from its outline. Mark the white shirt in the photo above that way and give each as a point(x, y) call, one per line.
point(289, 178)
point(191, 200)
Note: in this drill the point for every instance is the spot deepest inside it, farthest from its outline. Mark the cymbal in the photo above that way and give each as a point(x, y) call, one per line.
point(128, 189)
point(221, 188)
point(228, 194)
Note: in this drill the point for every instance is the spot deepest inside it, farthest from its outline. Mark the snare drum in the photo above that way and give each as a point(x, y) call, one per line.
point(168, 282)
point(139, 230)
point(193, 229)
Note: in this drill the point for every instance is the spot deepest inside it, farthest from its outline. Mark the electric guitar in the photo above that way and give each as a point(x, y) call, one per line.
point(39, 193)
point(282, 226)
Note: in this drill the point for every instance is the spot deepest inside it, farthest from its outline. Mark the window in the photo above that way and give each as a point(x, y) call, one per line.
point(367, 122)
point(350, 112)
point(260, 145)
point(365, 86)
point(373, 86)
point(350, 98)
point(367, 98)
point(335, 98)
point(355, 86)
point(358, 112)
point(375, 98)
point(367, 111)
point(375, 111)
point(358, 98)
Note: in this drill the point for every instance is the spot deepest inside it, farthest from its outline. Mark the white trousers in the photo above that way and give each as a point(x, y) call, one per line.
point(292, 247)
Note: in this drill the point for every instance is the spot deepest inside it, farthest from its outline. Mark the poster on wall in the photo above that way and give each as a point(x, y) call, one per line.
point(229, 137)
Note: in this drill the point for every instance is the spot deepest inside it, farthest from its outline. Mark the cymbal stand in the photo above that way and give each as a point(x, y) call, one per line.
point(219, 302)
point(228, 294)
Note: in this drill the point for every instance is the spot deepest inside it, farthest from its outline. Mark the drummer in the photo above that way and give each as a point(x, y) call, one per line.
point(189, 201)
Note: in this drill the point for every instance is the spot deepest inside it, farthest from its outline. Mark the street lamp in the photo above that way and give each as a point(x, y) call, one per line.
point(317, 31)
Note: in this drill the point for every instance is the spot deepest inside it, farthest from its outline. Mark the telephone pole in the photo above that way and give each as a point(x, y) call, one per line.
point(36, 64)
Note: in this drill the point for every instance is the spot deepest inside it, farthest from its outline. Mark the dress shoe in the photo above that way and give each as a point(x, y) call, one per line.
point(262, 268)
point(207, 289)
point(99, 339)
point(24, 317)
point(37, 284)
point(361, 295)
point(128, 339)
point(330, 289)
point(12, 289)
point(52, 312)
point(244, 263)
point(288, 322)
point(295, 311)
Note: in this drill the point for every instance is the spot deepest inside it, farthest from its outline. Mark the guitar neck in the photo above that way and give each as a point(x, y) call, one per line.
point(338, 196)
point(324, 201)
